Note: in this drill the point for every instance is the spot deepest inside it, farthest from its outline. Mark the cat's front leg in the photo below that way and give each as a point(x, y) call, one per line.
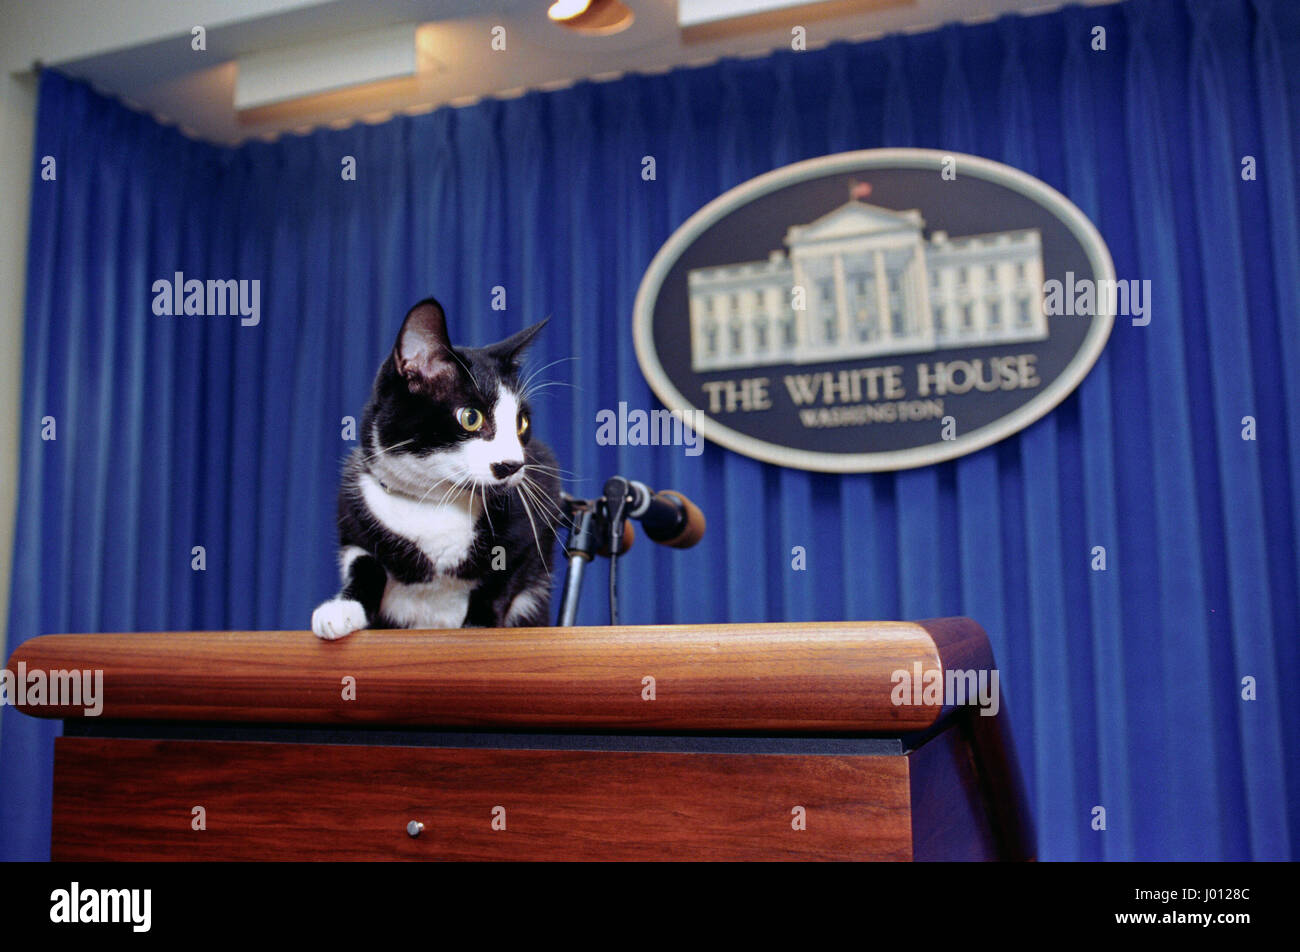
point(357, 605)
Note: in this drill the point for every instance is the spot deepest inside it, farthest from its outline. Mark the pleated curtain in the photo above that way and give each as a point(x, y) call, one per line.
point(1125, 686)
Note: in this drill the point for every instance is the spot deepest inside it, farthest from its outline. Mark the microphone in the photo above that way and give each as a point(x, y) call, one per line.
point(666, 517)
point(601, 525)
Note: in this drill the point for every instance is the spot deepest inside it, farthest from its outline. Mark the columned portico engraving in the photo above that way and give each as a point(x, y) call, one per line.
point(873, 286)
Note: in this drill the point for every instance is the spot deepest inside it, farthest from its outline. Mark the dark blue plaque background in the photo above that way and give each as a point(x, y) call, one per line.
point(964, 206)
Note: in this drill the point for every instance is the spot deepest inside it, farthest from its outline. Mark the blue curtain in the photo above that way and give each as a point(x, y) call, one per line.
point(1125, 686)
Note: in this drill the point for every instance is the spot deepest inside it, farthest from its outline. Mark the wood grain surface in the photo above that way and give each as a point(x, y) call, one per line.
point(134, 800)
point(822, 677)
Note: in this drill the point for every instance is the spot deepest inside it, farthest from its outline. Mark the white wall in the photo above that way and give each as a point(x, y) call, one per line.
point(17, 112)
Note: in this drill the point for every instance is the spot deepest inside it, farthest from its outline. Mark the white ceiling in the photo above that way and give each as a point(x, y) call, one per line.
point(149, 62)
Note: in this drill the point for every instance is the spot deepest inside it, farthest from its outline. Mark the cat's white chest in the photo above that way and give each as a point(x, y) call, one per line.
point(442, 603)
point(444, 532)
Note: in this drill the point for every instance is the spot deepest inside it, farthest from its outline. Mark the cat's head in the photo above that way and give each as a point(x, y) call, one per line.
point(442, 416)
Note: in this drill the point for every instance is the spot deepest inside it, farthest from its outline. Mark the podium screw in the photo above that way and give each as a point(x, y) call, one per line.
point(413, 828)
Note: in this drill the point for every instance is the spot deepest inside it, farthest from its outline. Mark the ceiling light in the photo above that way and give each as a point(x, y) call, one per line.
point(567, 9)
point(592, 17)
point(359, 59)
point(712, 20)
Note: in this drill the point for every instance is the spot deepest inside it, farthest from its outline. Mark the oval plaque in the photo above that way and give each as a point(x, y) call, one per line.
point(875, 310)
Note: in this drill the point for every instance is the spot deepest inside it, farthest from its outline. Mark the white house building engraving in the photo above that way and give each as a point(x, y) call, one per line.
point(873, 286)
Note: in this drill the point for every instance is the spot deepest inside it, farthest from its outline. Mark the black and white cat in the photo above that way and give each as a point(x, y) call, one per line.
point(448, 508)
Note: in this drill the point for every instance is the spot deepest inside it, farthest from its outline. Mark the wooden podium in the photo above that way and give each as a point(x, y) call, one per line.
point(711, 742)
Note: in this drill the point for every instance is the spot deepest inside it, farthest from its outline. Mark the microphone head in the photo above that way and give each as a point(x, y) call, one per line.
point(639, 498)
point(693, 531)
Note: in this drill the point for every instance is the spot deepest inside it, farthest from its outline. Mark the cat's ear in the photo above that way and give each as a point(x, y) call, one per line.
point(508, 350)
point(423, 352)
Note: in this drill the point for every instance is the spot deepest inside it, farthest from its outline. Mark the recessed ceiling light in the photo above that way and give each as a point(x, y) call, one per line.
point(593, 17)
point(296, 72)
point(712, 20)
point(567, 9)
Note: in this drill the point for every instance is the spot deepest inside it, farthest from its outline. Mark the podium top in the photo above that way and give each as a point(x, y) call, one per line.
point(815, 677)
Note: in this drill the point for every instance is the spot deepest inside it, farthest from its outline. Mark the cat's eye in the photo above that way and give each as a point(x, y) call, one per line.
point(521, 425)
point(470, 419)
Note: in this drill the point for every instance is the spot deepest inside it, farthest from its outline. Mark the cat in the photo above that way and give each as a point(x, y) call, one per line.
point(447, 510)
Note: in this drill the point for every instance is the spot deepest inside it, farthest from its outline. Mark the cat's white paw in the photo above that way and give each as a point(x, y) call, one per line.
point(338, 617)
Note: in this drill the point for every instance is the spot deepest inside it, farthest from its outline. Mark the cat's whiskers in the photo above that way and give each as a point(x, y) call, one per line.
point(432, 486)
point(528, 389)
point(551, 469)
point(387, 449)
point(546, 507)
point(524, 386)
point(533, 492)
point(541, 515)
point(539, 493)
point(529, 513)
point(451, 491)
point(535, 392)
point(539, 496)
point(483, 492)
point(543, 385)
point(448, 492)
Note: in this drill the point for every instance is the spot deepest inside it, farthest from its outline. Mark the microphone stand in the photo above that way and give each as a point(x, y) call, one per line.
point(596, 527)
point(587, 526)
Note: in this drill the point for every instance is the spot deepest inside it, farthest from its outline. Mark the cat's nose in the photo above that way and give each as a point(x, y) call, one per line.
point(502, 470)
